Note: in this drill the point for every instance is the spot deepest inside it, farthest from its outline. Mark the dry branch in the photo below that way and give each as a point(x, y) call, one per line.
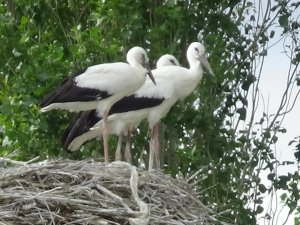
point(89, 192)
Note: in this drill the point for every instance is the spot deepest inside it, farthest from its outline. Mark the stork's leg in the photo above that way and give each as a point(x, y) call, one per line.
point(118, 154)
point(151, 151)
point(128, 147)
point(156, 145)
point(105, 137)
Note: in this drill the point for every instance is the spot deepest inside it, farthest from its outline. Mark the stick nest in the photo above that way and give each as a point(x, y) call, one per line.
point(89, 192)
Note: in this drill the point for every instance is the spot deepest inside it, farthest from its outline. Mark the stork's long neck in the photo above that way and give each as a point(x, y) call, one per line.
point(196, 69)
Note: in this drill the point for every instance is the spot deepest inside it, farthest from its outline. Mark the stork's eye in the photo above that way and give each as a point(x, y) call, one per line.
point(197, 50)
point(172, 61)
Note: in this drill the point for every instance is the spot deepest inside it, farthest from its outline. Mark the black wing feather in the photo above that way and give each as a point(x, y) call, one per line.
point(67, 91)
point(133, 103)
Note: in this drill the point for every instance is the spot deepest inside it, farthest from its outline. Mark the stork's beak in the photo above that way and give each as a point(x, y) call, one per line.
point(150, 73)
point(205, 63)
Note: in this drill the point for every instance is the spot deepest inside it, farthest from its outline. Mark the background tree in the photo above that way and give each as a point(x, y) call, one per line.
point(44, 41)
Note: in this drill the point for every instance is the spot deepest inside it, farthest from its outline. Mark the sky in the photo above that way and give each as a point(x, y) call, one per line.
point(272, 86)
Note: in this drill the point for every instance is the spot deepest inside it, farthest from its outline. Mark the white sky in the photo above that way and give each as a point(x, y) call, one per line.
point(273, 84)
point(272, 87)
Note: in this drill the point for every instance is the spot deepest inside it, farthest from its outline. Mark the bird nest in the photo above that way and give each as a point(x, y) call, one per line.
point(89, 192)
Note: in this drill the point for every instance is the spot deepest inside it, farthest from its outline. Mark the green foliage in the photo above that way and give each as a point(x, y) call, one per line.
point(42, 42)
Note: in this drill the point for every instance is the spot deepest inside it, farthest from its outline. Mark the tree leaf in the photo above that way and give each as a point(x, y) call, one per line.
point(259, 209)
point(262, 188)
point(242, 112)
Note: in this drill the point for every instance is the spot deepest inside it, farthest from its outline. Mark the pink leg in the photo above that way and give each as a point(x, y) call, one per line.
point(156, 145)
point(118, 154)
point(128, 157)
point(151, 151)
point(105, 137)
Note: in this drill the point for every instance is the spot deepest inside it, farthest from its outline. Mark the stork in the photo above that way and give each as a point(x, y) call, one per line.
point(100, 86)
point(173, 83)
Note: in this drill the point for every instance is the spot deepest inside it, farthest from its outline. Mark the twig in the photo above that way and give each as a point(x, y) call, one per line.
point(145, 217)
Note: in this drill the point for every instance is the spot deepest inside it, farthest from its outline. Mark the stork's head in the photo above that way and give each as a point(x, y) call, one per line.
point(167, 60)
point(196, 52)
point(138, 58)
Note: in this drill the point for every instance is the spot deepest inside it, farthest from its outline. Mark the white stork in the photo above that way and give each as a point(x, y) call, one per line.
point(173, 83)
point(122, 119)
point(100, 86)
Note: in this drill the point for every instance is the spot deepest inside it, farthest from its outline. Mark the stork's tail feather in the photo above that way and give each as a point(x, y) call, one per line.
point(63, 87)
point(47, 100)
point(78, 127)
point(68, 131)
